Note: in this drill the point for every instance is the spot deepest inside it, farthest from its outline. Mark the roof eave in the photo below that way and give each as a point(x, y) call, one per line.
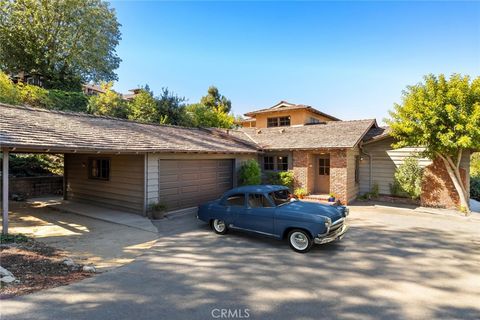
point(21, 148)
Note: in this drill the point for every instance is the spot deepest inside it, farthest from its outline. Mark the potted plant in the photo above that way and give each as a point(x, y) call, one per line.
point(157, 210)
point(300, 193)
point(331, 197)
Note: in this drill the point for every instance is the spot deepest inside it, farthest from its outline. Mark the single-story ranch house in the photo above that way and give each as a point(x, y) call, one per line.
point(129, 165)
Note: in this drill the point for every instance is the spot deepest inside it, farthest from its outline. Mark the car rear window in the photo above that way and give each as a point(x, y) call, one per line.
point(236, 200)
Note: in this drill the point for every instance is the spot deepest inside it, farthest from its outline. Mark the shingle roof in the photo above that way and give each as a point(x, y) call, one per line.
point(284, 106)
point(333, 134)
point(40, 129)
point(377, 133)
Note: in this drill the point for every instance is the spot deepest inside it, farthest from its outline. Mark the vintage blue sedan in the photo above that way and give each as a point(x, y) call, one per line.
point(271, 210)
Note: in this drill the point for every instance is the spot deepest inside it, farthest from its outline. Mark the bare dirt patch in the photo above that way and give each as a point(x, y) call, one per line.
point(36, 266)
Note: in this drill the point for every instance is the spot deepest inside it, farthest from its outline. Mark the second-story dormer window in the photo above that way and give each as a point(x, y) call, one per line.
point(278, 122)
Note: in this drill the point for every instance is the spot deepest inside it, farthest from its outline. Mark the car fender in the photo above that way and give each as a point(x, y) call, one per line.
point(314, 224)
point(209, 211)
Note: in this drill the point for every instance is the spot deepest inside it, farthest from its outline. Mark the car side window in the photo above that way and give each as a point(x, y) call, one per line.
point(280, 197)
point(237, 200)
point(257, 200)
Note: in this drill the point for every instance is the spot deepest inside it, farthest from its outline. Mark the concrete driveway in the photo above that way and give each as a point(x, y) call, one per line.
point(87, 240)
point(393, 263)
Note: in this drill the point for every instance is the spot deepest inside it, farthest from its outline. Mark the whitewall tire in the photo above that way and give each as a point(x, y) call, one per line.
point(300, 241)
point(219, 226)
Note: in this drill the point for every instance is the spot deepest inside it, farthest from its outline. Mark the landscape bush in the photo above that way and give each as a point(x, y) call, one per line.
point(408, 178)
point(31, 165)
point(300, 192)
point(372, 194)
point(475, 188)
point(249, 173)
point(35, 96)
point(283, 178)
point(8, 90)
point(67, 100)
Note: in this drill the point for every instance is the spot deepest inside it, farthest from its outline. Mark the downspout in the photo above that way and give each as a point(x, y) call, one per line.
point(360, 146)
point(65, 176)
point(5, 154)
point(145, 181)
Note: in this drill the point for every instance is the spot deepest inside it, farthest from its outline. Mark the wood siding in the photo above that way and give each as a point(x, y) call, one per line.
point(124, 190)
point(385, 160)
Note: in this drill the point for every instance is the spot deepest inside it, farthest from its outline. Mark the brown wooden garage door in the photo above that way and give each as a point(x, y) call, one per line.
point(188, 183)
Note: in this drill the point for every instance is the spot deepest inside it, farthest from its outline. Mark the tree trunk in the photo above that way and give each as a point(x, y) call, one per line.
point(454, 173)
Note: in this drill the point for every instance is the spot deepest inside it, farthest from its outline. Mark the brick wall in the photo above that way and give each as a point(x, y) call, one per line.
point(36, 186)
point(339, 174)
point(437, 186)
point(300, 164)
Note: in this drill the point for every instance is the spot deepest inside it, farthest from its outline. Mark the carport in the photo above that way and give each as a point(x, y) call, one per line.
point(121, 164)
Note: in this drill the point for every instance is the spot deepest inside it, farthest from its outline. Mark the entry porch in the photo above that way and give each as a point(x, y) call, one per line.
point(327, 171)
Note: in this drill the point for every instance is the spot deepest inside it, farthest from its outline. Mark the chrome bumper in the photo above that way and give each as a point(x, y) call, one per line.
point(338, 234)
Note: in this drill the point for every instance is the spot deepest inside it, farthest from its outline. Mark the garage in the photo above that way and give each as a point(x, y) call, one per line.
point(188, 183)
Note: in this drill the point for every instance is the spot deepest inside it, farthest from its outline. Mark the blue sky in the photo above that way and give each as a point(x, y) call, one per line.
point(349, 59)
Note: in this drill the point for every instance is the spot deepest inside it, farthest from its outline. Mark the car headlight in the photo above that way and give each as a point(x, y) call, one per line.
point(328, 222)
point(346, 212)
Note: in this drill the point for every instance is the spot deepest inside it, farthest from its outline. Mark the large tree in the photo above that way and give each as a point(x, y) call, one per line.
point(171, 109)
point(143, 107)
point(108, 103)
point(442, 115)
point(212, 111)
point(65, 41)
point(215, 100)
point(203, 116)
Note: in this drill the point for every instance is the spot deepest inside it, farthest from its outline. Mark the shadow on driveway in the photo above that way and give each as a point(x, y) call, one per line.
point(380, 270)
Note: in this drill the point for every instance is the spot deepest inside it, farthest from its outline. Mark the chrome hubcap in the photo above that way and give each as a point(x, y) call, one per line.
point(299, 241)
point(219, 225)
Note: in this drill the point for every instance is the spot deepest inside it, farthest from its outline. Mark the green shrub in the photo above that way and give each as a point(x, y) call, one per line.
point(408, 176)
point(30, 165)
point(13, 238)
point(286, 179)
point(300, 192)
point(396, 190)
point(67, 100)
point(271, 177)
point(33, 95)
point(373, 194)
point(475, 165)
point(8, 90)
point(375, 190)
point(475, 188)
point(282, 178)
point(249, 173)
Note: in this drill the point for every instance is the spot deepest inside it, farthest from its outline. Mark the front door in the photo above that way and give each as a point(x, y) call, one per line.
point(322, 180)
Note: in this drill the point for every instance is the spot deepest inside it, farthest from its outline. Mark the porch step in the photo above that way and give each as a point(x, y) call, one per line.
point(318, 197)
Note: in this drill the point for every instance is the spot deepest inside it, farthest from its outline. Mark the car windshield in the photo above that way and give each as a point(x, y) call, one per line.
point(280, 197)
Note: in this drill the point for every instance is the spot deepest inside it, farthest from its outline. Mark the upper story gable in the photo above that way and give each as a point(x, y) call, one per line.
point(285, 114)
